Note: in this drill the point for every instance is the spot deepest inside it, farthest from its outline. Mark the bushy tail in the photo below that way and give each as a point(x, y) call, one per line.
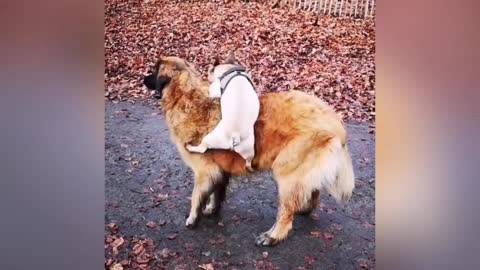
point(342, 188)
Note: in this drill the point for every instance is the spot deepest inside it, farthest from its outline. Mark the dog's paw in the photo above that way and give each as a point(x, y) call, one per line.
point(191, 222)
point(264, 239)
point(208, 210)
point(248, 166)
point(196, 149)
point(190, 147)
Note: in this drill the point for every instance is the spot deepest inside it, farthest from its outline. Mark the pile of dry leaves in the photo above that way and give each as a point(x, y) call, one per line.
point(281, 47)
point(119, 253)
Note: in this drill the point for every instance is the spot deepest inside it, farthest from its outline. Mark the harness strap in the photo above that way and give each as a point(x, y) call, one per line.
point(230, 74)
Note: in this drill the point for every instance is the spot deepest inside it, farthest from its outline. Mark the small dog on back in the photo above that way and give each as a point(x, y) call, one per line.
point(240, 107)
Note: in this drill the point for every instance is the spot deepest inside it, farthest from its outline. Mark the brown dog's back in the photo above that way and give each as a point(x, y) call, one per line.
point(284, 117)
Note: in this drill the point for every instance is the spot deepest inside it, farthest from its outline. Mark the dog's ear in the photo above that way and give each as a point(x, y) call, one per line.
point(216, 61)
point(231, 58)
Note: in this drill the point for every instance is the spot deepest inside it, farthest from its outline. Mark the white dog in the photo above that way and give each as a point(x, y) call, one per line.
point(240, 107)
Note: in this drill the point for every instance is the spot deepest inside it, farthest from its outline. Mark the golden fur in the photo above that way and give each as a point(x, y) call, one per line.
point(297, 136)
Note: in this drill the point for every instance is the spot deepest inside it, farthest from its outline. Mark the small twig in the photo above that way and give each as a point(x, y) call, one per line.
point(353, 217)
point(276, 4)
point(138, 192)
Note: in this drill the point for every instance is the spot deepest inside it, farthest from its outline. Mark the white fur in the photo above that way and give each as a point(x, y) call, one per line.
point(214, 90)
point(240, 108)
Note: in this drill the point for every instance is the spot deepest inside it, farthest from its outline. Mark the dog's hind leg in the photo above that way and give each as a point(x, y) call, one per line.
point(246, 149)
point(291, 198)
point(311, 204)
point(204, 184)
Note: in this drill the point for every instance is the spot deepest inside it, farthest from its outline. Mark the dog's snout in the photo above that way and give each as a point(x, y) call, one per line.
point(149, 81)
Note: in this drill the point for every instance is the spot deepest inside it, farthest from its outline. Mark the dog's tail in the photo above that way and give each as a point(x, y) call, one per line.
point(342, 186)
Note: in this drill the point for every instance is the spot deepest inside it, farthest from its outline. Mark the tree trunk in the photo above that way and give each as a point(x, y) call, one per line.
point(276, 4)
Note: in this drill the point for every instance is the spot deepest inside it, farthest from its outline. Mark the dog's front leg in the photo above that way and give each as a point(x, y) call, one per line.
point(203, 185)
point(203, 146)
point(216, 139)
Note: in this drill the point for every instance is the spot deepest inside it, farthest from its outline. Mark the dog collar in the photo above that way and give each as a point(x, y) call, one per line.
point(230, 74)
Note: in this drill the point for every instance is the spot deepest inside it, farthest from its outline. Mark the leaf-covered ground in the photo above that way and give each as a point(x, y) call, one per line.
point(281, 47)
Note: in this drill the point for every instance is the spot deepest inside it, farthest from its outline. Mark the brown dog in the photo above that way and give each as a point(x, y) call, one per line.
point(298, 137)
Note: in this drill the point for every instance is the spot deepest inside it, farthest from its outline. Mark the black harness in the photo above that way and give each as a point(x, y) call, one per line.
point(230, 74)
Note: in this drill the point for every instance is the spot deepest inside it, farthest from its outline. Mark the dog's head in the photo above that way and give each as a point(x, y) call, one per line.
point(164, 71)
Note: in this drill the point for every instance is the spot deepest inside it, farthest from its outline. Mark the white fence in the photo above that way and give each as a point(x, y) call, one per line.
point(349, 8)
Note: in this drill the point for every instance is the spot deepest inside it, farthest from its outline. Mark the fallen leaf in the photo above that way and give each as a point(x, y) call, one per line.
point(172, 236)
point(309, 260)
point(207, 266)
point(109, 262)
point(143, 266)
point(328, 236)
point(143, 259)
point(109, 238)
point(116, 244)
point(363, 264)
point(112, 227)
point(138, 248)
point(316, 233)
point(151, 224)
point(162, 197)
point(165, 253)
point(116, 266)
